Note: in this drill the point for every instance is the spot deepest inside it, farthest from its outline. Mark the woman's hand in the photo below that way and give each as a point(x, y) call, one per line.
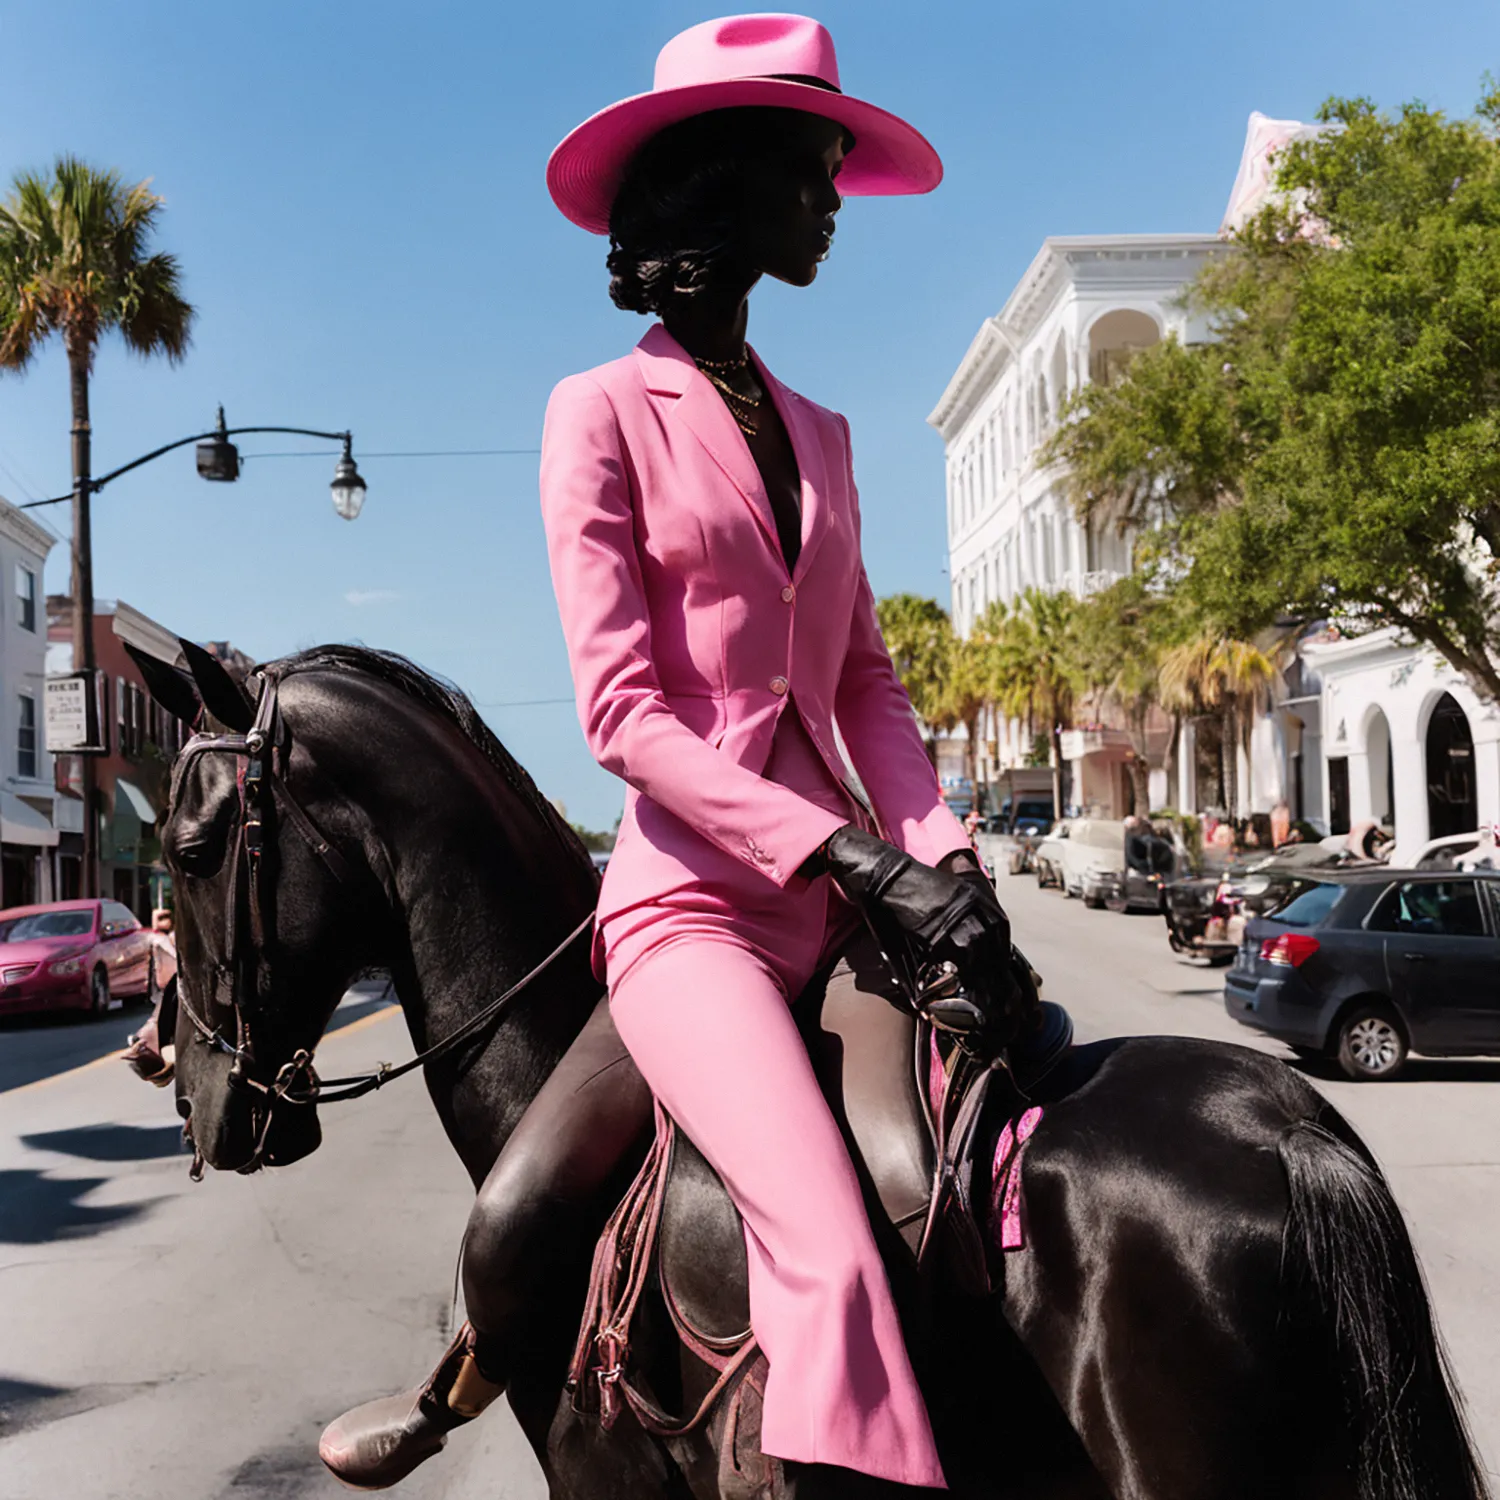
point(945, 917)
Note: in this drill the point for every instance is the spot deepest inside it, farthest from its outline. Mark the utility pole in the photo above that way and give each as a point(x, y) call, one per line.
point(83, 612)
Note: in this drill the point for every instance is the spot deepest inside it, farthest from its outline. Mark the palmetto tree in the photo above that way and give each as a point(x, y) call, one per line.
point(76, 263)
point(919, 636)
point(1035, 669)
point(1224, 677)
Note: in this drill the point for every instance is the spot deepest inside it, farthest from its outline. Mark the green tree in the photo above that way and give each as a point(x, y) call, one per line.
point(1336, 452)
point(1035, 670)
point(76, 262)
point(1215, 675)
point(970, 685)
point(1120, 634)
point(919, 636)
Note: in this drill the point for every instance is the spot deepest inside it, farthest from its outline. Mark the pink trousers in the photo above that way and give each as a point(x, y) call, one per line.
point(700, 990)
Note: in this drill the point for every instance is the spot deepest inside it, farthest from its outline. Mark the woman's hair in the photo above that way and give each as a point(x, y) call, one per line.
point(682, 207)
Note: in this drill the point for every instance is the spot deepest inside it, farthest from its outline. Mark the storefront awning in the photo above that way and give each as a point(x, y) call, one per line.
point(138, 802)
point(21, 823)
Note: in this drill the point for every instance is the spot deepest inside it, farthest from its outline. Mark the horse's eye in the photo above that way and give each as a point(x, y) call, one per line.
point(198, 845)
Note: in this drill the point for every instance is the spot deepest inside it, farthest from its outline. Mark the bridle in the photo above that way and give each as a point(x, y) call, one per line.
point(261, 756)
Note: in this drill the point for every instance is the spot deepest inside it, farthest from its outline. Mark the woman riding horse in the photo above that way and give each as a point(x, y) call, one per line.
point(703, 530)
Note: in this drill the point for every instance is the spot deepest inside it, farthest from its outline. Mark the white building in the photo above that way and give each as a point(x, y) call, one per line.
point(1086, 303)
point(1409, 743)
point(27, 830)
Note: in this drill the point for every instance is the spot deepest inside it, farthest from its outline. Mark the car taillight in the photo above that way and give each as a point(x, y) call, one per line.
point(1290, 948)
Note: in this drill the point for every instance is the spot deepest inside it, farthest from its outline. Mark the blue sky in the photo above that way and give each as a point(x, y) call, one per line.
point(356, 194)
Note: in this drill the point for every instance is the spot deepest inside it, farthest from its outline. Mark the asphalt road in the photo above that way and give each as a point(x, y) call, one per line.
point(161, 1341)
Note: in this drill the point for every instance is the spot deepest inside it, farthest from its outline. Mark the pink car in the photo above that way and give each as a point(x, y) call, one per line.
point(71, 955)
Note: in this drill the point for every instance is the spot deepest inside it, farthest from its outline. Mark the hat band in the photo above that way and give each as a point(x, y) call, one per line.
point(808, 78)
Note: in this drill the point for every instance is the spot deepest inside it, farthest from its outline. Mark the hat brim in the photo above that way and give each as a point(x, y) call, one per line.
point(890, 157)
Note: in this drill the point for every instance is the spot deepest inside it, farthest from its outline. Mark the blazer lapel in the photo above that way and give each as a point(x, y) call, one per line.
point(807, 444)
point(669, 370)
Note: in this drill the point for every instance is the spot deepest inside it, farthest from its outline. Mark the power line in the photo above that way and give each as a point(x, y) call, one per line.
point(526, 703)
point(405, 453)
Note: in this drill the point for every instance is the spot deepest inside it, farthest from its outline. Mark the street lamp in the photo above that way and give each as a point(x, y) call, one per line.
point(218, 461)
point(348, 487)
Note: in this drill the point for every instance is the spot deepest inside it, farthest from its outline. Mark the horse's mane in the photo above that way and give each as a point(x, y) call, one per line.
point(448, 702)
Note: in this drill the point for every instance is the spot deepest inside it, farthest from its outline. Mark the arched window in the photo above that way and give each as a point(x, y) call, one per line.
point(1115, 338)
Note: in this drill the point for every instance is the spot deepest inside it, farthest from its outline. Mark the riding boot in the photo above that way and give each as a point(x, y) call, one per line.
point(378, 1444)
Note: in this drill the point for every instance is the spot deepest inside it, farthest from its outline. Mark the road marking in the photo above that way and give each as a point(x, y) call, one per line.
point(114, 1057)
point(40, 1083)
point(362, 1022)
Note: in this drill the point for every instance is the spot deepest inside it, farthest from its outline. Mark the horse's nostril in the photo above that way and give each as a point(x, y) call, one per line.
point(185, 1108)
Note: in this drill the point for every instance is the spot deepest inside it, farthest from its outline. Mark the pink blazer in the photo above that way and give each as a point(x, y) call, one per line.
point(687, 637)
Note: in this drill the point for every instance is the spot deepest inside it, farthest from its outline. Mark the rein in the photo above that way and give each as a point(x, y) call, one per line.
point(262, 788)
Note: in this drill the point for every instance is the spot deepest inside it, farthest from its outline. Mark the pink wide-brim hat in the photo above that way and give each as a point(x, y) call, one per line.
point(779, 60)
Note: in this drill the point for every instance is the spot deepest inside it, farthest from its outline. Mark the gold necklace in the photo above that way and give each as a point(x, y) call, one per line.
point(741, 407)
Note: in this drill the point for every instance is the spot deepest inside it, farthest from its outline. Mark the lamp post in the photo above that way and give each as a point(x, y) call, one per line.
point(219, 461)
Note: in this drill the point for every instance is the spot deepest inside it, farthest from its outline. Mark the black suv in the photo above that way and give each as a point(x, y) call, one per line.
point(1364, 965)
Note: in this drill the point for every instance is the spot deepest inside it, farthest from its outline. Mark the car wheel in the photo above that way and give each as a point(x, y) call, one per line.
point(98, 992)
point(1371, 1044)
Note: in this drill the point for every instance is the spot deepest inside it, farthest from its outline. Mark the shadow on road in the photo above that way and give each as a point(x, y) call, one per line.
point(36, 1209)
point(28, 1404)
point(111, 1142)
point(1417, 1070)
point(35, 1047)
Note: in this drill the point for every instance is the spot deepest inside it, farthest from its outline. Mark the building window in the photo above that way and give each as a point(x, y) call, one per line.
point(26, 738)
point(26, 597)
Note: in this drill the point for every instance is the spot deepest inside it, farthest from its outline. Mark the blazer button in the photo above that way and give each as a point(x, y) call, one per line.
point(788, 594)
point(779, 685)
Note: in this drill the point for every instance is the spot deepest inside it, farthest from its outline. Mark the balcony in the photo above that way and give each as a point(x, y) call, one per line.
point(1112, 743)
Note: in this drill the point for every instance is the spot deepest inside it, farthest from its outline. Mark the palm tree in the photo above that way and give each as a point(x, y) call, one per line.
point(919, 636)
point(1226, 678)
point(1035, 669)
point(76, 261)
point(969, 686)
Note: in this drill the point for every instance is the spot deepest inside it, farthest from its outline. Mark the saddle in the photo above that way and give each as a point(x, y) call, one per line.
point(910, 1106)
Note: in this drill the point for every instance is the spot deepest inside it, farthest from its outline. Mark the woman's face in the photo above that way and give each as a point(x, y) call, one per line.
point(792, 200)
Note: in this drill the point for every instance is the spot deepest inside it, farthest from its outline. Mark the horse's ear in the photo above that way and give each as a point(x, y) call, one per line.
point(169, 685)
point(222, 696)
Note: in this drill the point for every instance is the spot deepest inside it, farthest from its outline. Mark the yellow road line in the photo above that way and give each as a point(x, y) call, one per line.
point(362, 1022)
point(40, 1083)
point(114, 1057)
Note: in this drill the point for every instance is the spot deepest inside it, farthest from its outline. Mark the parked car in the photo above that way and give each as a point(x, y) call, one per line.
point(1094, 847)
point(1206, 914)
point(1026, 815)
point(1150, 862)
point(1366, 965)
point(71, 955)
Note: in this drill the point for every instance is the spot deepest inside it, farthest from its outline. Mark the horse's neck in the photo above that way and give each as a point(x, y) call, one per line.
point(482, 910)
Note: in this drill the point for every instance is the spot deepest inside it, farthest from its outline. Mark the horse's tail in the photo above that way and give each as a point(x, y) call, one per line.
point(1350, 1264)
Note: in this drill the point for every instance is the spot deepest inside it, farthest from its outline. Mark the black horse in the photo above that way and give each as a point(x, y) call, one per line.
point(1218, 1299)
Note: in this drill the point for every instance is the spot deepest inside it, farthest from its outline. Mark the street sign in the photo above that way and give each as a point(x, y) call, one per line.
point(72, 716)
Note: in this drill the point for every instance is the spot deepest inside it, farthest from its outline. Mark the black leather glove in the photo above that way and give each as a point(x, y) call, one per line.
point(925, 919)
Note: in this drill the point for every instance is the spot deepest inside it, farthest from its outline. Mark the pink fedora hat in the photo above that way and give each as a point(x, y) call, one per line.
point(787, 61)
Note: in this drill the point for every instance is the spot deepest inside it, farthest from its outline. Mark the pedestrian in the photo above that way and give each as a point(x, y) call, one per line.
point(973, 822)
point(703, 531)
point(147, 1054)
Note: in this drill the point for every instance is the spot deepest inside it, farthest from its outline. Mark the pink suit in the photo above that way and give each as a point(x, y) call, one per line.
point(688, 639)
